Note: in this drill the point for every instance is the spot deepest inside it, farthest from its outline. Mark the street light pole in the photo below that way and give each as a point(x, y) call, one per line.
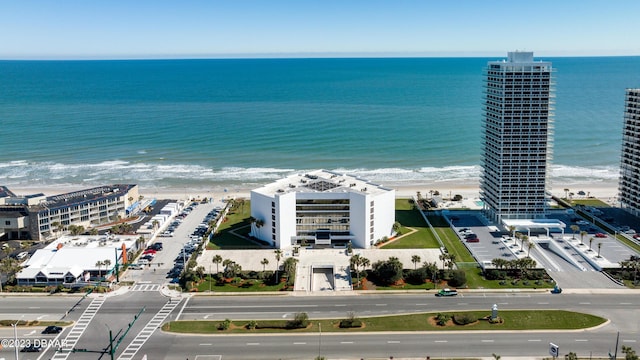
point(15, 338)
point(319, 339)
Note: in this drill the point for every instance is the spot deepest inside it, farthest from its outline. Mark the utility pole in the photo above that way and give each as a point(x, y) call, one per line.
point(319, 339)
point(117, 272)
point(15, 337)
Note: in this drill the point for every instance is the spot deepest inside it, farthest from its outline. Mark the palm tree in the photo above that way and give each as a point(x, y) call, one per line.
point(56, 226)
point(590, 242)
point(264, 263)
point(93, 231)
point(278, 254)
point(252, 221)
point(566, 193)
point(155, 224)
point(106, 264)
point(512, 230)
point(523, 239)
point(496, 356)
point(396, 227)
point(530, 245)
point(217, 259)
point(452, 261)
point(99, 266)
point(575, 229)
point(442, 257)
point(599, 246)
point(355, 261)
point(582, 234)
point(415, 259)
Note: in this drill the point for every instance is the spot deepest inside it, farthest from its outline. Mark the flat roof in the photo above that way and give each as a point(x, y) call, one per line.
point(534, 223)
point(321, 181)
point(87, 195)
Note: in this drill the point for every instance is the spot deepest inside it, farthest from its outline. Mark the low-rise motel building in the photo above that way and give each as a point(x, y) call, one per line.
point(77, 260)
point(322, 209)
point(38, 217)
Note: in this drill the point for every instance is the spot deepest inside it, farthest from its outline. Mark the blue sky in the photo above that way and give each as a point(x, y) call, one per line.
point(257, 28)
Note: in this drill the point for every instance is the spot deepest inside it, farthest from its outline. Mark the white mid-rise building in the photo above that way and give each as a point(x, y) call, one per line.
point(518, 128)
point(322, 208)
point(629, 185)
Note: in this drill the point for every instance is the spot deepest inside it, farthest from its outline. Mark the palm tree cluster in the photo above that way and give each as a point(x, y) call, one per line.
point(518, 267)
point(122, 228)
point(448, 260)
point(9, 266)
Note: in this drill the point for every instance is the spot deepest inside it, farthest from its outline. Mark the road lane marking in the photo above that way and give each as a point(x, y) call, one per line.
point(248, 306)
point(253, 344)
point(422, 304)
point(34, 307)
point(584, 303)
point(543, 303)
point(626, 304)
point(582, 340)
point(393, 342)
point(628, 340)
point(441, 341)
point(340, 305)
point(182, 309)
point(534, 340)
point(299, 343)
point(381, 304)
point(487, 341)
point(206, 344)
point(346, 342)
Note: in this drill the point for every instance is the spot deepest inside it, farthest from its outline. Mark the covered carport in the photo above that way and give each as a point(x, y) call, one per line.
point(528, 224)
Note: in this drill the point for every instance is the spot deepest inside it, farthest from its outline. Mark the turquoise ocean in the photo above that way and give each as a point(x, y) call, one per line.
point(238, 123)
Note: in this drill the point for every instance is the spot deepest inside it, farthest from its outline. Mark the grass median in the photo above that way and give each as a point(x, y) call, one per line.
point(511, 320)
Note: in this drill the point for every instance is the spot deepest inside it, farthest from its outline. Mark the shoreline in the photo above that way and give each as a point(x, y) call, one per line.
point(605, 191)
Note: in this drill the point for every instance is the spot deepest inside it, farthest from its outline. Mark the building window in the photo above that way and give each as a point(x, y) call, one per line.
point(7, 222)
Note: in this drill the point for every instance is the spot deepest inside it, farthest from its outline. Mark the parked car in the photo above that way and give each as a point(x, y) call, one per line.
point(147, 257)
point(135, 266)
point(601, 235)
point(446, 292)
point(473, 240)
point(582, 222)
point(52, 330)
point(556, 290)
point(149, 251)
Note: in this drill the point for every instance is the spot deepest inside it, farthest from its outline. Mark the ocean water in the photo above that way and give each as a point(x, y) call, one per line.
point(245, 122)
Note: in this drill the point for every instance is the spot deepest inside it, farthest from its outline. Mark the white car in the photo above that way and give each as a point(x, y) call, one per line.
point(582, 222)
point(22, 255)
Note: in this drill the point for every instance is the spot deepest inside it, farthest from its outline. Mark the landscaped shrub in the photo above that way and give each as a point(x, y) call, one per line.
point(495, 274)
point(442, 319)
point(416, 277)
point(224, 325)
point(351, 322)
point(301, 320)
point(251, 325)
point(464, 319)
point(458, 278)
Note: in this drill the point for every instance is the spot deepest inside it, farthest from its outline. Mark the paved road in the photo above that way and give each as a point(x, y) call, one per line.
point(118, 311)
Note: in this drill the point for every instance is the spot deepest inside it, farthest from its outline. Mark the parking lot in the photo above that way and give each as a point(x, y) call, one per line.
point(559, 255)
point(167, 263)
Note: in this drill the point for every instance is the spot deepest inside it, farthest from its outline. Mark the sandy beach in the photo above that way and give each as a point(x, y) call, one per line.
point(468, 190)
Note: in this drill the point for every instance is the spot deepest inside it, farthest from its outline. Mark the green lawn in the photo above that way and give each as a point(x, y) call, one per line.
point(588, 202)
point(512, 320)
point(407, 216)
point(237, 221)
point(246, 286)
point(450, 239)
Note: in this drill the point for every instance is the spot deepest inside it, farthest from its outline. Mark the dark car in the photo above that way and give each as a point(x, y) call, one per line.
point(473, 240)
point(30, 348)
point(148, 257)
point(52, 330)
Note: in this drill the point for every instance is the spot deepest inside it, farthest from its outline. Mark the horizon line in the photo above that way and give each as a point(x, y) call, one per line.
point(304, 55)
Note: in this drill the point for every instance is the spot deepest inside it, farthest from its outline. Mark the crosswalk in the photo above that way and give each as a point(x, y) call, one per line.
point(149, 329)
point(146, 287)
point(78, 329)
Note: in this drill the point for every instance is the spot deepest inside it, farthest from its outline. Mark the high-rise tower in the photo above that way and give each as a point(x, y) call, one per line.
point(518, 129)
point(629, 186)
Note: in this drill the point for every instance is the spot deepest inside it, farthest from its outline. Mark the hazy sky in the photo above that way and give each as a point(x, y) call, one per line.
point(247, 28)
